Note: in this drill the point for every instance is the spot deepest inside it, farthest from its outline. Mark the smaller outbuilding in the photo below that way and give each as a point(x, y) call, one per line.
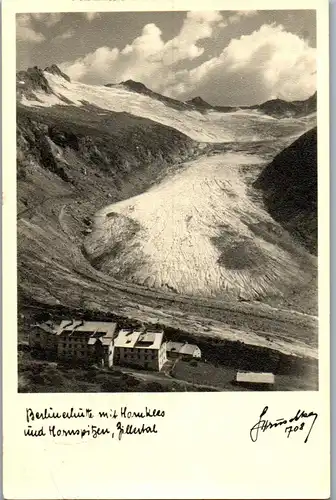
point(255, 380)
point(183, 350)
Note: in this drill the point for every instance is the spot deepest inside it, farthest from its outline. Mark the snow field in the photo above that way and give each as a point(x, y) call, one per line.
point(210, 127)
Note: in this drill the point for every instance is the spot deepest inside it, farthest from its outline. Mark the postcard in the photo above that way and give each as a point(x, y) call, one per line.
point(166, 249)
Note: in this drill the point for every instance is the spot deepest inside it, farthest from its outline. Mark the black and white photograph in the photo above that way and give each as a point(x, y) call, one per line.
point(167, 201)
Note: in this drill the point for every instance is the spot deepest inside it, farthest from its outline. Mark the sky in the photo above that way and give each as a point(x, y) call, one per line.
point(226, 57)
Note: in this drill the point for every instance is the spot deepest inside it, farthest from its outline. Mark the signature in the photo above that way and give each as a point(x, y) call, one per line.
point(300, 422)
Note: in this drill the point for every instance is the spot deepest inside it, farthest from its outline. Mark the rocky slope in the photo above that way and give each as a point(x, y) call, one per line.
point(289, 185)
point(111, 156)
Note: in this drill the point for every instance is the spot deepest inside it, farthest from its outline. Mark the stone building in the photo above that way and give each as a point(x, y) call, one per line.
point(86, 341)
point(43, 337)
point(142, 349)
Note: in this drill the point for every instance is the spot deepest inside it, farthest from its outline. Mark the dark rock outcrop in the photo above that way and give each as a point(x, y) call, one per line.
point(137, 87)
point(280, 108)
point(200, 103)
point(54, 70)
point(32, 79)
point(140, 88)
point(289, 185)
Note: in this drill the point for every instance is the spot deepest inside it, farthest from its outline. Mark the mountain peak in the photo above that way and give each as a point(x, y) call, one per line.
point(32, 79)
point(55, 70)
point(134, 85)
point(313, 97)
point(198, 101)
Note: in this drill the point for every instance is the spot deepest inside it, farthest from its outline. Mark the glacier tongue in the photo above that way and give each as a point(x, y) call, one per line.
point(193, 234)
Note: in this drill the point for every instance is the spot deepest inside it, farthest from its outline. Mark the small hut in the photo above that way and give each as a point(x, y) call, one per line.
point(256, 381)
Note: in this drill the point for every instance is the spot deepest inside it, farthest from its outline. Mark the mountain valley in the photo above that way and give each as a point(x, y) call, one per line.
point(137, 206)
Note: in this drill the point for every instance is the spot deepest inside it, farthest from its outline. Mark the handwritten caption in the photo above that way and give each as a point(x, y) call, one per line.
point(110, 423)
point(302, 422)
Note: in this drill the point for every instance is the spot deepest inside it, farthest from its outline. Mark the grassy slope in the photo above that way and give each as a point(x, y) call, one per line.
point(45, 376)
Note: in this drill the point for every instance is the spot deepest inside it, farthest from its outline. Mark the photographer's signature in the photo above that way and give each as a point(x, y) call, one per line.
point(302, 421)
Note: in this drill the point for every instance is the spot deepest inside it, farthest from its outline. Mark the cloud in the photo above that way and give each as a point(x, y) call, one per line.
point(26, 25)
point(48, 19)
point(64, 36)
point(240, 14)
point(270, 62)
point(197, 26)
point(90, 16)
point(147, 54)
point(236, 17)
point(25, 31)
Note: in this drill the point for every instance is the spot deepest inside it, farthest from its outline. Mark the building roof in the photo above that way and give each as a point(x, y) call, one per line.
point(184, 348)
point(46, 327)
point(139, 339)
point(104, 340)
point(92, 330)
point(93, 327)
point(255, 378)
point(126, 338)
